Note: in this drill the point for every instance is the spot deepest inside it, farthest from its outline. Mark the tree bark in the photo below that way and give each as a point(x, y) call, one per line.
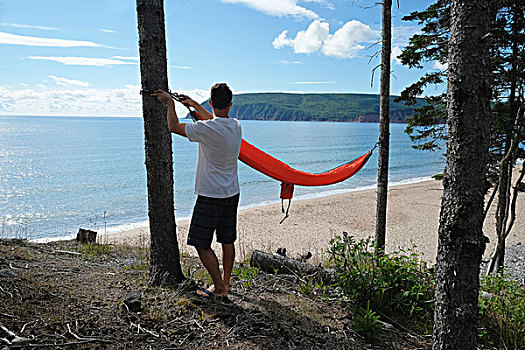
point(461, 241)
point(165, 268)
point(384, 128)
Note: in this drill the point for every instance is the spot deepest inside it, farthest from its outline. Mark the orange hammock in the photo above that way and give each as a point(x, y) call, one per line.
point(288, 176)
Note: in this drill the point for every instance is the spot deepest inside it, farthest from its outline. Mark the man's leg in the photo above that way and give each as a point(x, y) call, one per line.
point(211, 263)
point(228, 257)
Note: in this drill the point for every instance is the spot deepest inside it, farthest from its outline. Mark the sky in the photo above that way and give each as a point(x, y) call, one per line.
point(80, 57)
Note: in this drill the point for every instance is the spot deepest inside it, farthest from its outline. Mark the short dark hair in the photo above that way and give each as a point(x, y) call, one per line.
point(221, 96)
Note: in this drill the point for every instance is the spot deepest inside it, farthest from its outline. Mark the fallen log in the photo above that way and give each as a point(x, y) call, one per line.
point(277, 263)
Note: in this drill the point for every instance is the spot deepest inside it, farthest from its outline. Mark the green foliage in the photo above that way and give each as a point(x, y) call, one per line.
point(139, 266)
point(245, 274)
point(367, 324)
point(315, 288)
point(93, 249)
point(502, 313)
point(316, 107)
point(397, 286)
point(507, 52)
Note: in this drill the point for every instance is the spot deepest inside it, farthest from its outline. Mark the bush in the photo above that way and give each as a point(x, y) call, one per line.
point(397, 286)
point(502, 313)
point(367, 324)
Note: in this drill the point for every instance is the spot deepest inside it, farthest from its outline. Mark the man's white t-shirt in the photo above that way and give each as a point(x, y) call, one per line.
point(219, 145)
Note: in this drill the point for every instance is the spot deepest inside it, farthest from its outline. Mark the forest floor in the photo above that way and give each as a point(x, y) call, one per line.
point(65, 295)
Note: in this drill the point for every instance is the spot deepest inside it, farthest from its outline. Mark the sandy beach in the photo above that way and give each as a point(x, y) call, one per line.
point(412, 220)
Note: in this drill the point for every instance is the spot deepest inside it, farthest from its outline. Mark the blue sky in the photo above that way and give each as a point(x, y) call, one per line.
point(81, 57)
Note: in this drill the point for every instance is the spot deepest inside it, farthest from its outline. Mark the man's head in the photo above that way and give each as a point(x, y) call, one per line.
point(221, 96)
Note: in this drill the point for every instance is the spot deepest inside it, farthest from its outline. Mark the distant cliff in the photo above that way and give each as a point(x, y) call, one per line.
point(362, 108)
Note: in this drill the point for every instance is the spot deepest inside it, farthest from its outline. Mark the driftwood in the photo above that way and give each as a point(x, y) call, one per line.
point(86, 236)
point(278, 263)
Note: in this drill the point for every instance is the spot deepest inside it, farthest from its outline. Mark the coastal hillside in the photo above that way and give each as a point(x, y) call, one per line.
point(315, 107)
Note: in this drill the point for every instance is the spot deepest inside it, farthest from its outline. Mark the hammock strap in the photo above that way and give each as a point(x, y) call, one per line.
point(288, 208)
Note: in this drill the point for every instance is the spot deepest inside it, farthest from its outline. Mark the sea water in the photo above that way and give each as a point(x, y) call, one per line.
point(58, 174)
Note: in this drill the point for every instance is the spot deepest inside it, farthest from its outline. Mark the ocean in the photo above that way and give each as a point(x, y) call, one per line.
point(58, 174)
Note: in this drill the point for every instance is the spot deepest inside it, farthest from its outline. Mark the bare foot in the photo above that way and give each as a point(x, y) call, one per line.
point(211, 292)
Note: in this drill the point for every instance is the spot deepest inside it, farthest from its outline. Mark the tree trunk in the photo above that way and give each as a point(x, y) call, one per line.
point(504, 194)
point(384, 128)
point(165, 268)
point(461, 241)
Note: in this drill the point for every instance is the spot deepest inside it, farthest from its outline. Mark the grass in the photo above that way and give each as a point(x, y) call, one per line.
point(93, 249)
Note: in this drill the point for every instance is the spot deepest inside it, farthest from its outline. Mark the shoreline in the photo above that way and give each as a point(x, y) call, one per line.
point(412, 221)
point(320, 194)
point(144, 225)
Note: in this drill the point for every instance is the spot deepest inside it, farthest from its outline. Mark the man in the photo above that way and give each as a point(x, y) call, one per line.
point(216, 184)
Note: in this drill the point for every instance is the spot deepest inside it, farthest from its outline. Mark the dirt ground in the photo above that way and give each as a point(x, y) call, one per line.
point(64, 295)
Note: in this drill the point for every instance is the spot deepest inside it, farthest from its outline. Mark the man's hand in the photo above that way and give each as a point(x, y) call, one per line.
point(188, 101)
point(162, 96)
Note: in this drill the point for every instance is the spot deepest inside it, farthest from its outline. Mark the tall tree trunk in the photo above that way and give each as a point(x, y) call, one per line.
point(165, 268)
point(384, 128)
point(461, 241)
point(497, 259)
point(507, 163)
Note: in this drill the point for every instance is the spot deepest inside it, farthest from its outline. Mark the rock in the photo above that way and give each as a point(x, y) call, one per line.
point(133, 301)
point(7, 274)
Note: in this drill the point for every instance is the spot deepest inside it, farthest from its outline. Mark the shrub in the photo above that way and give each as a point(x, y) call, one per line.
point(502, 313)
point(367, 324)
point(397, 286)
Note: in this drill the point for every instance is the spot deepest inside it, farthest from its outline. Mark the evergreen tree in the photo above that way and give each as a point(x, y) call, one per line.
point(165, 268)
point(384, 127)
point(461, 242)
point(427, 128)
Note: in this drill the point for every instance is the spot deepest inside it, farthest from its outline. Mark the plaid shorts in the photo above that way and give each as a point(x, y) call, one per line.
point(213, 214)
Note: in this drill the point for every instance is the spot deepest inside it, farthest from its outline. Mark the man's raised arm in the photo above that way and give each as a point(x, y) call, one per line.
point(173, 121)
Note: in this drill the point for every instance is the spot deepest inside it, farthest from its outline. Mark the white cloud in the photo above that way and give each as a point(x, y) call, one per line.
point(107, 31)
point(282, 40)
point(83, 61)
point(440, 66)
point(279, 8)
point(181, 67)
point(306, 41)
point(27, 26)
point(13, 39)
point(396, 51)
point(127, 58)
point(124, 101)
point(290, 62)
point(325, 3)
point(68, 82)
point(401, 34)
point(311, 39)
point(344, 43)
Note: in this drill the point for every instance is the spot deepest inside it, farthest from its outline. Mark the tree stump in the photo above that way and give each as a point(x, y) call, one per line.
point(86, 236)
point(276, 263)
